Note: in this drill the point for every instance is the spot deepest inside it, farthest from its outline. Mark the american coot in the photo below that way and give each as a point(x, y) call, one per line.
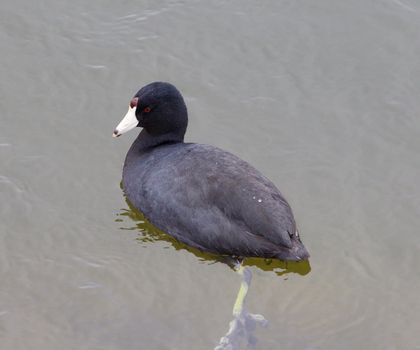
point(199, 194)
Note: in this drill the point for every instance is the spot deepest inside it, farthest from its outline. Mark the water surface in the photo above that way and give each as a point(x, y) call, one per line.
point(322, 97)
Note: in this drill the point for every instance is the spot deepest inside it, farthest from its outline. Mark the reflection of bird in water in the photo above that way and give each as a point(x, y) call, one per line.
point(203, 196)
point(149, 233)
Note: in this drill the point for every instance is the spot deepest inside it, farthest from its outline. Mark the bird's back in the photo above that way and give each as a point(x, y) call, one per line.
point(211, 199)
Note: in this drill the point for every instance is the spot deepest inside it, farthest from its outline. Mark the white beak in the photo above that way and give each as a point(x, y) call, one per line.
point(127, 123)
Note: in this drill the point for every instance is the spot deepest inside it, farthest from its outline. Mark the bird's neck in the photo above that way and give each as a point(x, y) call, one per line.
point(145, 141)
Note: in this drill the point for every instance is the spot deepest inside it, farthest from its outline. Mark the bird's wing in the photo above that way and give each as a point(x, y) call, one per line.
point(232, 203)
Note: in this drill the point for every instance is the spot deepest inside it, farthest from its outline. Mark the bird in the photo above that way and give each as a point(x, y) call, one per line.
point(201, 195)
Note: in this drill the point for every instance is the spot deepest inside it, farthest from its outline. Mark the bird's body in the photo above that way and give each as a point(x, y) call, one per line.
point(204, 196)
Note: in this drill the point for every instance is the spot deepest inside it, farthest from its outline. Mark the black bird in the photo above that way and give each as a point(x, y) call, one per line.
point(201, 195)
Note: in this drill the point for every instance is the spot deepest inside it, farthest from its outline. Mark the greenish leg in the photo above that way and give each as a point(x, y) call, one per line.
point(244, 323)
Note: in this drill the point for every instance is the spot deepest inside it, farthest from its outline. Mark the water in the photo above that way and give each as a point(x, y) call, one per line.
point(321, 96)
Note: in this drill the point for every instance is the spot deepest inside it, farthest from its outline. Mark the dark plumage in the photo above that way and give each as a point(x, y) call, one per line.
point(199, 194)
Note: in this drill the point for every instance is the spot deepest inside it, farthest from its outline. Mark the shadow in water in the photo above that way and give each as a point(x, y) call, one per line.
point(242, 327)
point(148, 233)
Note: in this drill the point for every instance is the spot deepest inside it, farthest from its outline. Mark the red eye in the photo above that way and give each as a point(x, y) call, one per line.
point(147, 110)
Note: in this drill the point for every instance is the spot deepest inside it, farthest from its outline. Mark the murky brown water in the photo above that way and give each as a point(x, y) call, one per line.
point(322, 97)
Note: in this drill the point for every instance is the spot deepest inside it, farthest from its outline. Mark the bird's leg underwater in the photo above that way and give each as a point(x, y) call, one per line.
point(246, 274)
point(234, 262)
point(243, 323)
